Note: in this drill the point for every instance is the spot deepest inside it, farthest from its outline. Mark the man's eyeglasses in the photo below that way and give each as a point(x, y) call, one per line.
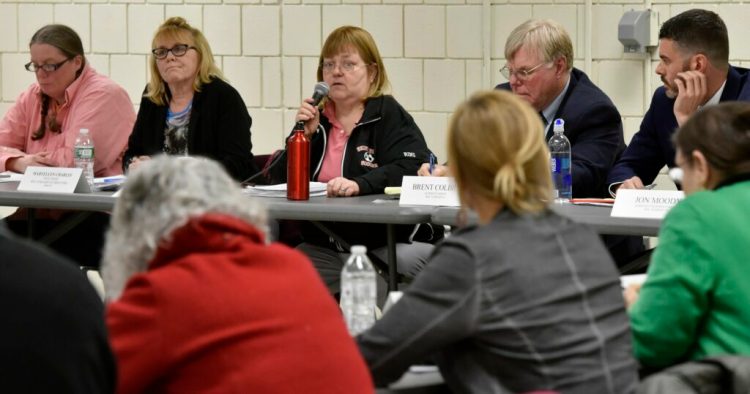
point(48, 67)
point(329, 67)
point(522, 74)
point(177, 50)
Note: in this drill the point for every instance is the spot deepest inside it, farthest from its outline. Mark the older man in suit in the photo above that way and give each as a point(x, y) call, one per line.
point(695, 69)
point(540, 71)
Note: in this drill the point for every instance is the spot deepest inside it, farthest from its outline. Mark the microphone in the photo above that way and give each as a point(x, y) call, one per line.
point(319, 92)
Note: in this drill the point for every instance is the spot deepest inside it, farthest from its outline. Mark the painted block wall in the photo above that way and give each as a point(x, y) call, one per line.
point(437, 52)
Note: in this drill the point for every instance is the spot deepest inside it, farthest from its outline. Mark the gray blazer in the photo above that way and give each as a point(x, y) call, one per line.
point(524, 303)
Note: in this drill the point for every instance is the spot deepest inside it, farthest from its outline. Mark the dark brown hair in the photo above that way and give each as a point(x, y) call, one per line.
point(722, 133)
point(699, 31)
point(69, 43)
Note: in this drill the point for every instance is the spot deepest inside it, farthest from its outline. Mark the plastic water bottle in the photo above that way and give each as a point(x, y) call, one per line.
point(358, 291)
point(559, 149)
point(298, 165)
point(83, 155)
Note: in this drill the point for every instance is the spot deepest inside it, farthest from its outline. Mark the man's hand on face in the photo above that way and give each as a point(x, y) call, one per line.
point(692, 92)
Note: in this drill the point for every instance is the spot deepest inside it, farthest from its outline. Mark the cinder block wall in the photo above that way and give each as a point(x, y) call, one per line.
point(437, 52)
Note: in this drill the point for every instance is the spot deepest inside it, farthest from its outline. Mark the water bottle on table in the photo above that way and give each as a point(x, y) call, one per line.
point(358, 291)
point(83, 155)
point(560, 157)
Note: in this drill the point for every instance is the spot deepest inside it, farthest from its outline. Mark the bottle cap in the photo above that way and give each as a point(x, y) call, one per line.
point(84, 131)
point(559, 125)
point(359, 249)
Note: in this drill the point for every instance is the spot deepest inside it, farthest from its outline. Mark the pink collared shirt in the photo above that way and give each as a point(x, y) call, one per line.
point(337, 139)
point(92, 101)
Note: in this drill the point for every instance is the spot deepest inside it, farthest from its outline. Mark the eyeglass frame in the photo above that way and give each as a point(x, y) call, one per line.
point(345, 67)
point(172, 51)
point(55, 66)
point(521, 75)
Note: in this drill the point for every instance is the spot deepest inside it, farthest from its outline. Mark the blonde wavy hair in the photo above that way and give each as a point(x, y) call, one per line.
point(160, 196)
point(547, 37)
point(346, 38)
point(177, 29)
point(496, 149)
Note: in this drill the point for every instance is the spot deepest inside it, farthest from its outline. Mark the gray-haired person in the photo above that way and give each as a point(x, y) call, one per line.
point(202, 303)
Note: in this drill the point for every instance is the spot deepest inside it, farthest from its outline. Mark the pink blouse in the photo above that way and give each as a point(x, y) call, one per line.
point(92, 101)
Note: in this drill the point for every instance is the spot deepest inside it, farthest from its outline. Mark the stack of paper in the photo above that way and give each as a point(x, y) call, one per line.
point(317, 189)
point(627, 280)
point(109, 183)
point(8, 176)
point(602, 202)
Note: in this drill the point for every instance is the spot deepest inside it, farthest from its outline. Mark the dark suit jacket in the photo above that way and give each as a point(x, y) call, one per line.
point(594, 128)
point(219, 129)
point(52, 337)
point(651, 147)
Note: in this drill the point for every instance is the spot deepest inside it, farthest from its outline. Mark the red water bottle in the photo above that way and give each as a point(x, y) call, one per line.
point(298, 165)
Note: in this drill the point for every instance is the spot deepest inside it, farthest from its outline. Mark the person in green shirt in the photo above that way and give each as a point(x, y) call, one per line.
point(695, 302)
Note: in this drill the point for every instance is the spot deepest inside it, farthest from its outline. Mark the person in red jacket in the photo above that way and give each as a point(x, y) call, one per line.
point(200, 302)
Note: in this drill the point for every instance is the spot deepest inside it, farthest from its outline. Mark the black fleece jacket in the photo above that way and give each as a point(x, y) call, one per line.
point(385, 145)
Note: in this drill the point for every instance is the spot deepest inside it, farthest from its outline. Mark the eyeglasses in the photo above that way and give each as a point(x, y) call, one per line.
point(48, 67)
point(347, 67)
point(521, 74)
point(177, 50)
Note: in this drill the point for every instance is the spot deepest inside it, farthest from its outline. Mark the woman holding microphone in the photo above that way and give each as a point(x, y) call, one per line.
point(361, 141)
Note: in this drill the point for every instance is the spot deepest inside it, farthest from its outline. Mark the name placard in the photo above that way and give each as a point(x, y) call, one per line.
point(53, 180)
point(645, 204)
point(429, 190)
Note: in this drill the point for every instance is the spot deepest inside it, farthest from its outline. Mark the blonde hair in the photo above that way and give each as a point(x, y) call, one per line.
point(177, 29)
point(496, 149)
point(547, 37)
point(346, 38)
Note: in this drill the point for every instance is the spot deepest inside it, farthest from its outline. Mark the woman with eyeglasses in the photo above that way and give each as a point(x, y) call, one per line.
point(187, 107)
point(40, 129)
point(694, 303)
point(362, 140)
point(42, 125)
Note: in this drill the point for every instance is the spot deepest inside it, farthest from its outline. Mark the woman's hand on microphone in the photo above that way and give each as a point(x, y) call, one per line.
point(310, 115)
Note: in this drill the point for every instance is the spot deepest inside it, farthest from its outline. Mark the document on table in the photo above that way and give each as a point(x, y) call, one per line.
point(10, 176)
point(627, 280)
point(599, 202)
point(109, 183)
point(317, 189)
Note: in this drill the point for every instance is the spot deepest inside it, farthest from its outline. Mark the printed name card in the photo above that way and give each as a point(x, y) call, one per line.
point(429, 190)
point(645, 204)
point(54, 180)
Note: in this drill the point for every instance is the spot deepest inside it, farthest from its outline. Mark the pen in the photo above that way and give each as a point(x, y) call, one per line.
point(649, 187)
point(432, 162)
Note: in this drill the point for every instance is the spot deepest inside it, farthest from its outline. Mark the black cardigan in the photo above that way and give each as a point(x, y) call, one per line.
point(219, 129)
